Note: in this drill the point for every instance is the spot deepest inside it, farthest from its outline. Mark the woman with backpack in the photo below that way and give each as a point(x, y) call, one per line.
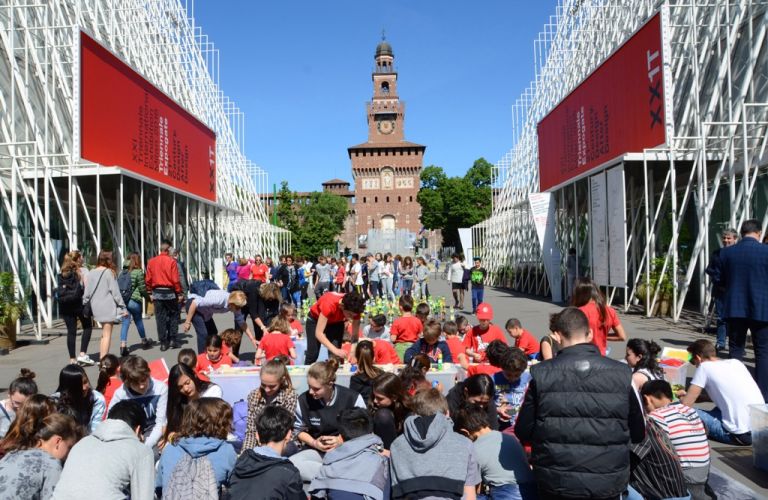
point(70, 297)
point(132, 290)
point(102, 296)
point(199, 459)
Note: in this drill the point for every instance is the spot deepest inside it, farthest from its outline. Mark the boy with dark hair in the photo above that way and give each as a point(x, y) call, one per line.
point(591, 459)
point(418, 465)
point(451, 334)
point(263, 472)
point(430, 345)
point(477, 277)
point(405, 329)
point(377, 328)
point(523, 339)
point(356, 469)
point(462, 326)
point(685, 431)
point(422, 312)
point(503, 464)
point(511, 382)
point(116, 462)
point(730, 386)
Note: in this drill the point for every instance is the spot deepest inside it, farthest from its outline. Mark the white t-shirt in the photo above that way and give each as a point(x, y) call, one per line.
point(213, 391)
point(732, 389)
point(356, 270)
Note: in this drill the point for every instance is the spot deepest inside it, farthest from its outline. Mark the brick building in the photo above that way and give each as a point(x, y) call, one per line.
point(386, 169)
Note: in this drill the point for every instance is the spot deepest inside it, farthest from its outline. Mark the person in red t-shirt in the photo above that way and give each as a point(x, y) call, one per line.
point(325, 324)
point(603, 322)
point(212, 359)
point(458, 352)
point(407, 328)
point(523, 339)
point(482, 334)
point(259, 270)
point(277, 342)
point(383, 352)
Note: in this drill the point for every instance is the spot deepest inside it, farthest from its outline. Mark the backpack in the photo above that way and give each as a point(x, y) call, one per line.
point(125, 283)
point(201, 287)
point(192, 478)
point(70, 290)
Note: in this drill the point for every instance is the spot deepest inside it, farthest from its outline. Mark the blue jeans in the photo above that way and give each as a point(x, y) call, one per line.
point(511, 492)
point(134, 310)
point(296, 297)
point(386, 284)
point(713, 422)
point(633, 494)
point(722, 326)
point(477, 297)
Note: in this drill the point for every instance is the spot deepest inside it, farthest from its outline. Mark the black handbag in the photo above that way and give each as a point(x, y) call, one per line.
point(87, 311)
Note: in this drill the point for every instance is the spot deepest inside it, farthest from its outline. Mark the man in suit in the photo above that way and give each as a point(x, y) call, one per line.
point(744, 268)
point(729, 237)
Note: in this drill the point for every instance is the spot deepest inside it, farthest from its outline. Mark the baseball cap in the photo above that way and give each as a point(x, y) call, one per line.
point(484, 311)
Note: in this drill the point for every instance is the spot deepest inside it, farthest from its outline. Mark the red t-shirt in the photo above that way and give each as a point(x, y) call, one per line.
point(276, 344)
point(225, 349)
point(406, 329)
point(340, 275)
point(329, 305)
point(528, 343)
point(600, 330)
point(482, 368)
point(114, 384)
point(296, 327)
point(243, 272)
point(205, 365)
point(478, 340)
point(456, 346)
point(384, 353)
point(259, 272)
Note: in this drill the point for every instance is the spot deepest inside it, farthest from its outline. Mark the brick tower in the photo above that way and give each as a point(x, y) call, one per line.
point(386, 168)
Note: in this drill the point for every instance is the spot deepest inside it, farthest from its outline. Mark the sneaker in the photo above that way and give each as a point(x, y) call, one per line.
point(124, 351)
point(163, 346)
point(146, 343)
point(175, 344)
point(85, 360)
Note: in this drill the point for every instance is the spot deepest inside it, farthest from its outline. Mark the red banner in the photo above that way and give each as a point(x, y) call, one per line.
point(618, 109)
point(127, 122)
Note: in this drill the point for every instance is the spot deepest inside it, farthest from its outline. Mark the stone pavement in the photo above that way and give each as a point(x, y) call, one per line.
point(733, 475)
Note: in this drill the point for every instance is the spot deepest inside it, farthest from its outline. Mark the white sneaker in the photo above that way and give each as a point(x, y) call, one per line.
point(85, 360)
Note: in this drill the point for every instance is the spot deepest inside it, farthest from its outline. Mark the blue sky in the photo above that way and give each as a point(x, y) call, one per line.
point(301, 72)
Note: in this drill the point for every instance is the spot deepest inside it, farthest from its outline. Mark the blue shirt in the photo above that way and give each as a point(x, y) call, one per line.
point(511, 392)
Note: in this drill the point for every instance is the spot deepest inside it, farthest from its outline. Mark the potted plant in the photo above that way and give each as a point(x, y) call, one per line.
point(664, 283)
point(11, 310)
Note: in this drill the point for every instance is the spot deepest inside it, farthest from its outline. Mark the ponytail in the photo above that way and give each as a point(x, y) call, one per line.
point(324, 371)
point(107, 369)
point(364, 353)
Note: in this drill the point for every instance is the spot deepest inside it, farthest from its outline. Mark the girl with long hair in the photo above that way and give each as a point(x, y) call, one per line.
point(406, 274)
point(642, 356)
point(103, 295)
point(477, 390)
point(362, 380)
point(76, 398)
point(184, 386)
point(29, 417)
point(276, 389)
point(134, 305)
point(72, 279)
point(388, 407)
point(21, 388)
point(603, 322)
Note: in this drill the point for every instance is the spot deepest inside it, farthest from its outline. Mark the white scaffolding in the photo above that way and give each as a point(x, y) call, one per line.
point(710, 175)
point(51, 200)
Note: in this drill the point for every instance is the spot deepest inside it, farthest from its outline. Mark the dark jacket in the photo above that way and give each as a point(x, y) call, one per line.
point(319, 419)
point(362, 384)
point(579, 414)
point(259, 476)
point(421, 347)
point(284, 276)
point(744, 274)
point(455, 399)
point(715, 274)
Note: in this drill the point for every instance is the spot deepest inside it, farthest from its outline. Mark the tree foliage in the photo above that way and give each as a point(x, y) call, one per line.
point(449, 203)
point(315, 224)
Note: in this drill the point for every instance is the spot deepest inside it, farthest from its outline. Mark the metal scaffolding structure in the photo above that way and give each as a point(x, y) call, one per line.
point(710, 174)
point(52, 201)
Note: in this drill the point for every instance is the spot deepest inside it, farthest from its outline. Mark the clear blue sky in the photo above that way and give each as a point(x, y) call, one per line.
point(301, 72)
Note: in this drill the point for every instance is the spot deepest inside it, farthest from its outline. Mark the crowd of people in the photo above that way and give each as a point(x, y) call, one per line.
point(544, 417)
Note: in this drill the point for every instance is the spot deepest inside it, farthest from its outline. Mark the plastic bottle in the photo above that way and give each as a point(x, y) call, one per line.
point(439, 360)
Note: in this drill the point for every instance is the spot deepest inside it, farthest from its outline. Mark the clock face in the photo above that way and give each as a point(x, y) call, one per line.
point(386, 126)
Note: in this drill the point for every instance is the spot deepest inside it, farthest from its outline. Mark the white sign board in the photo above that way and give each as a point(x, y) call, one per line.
point(617, 227)
point(599, 229)
point(220, 276)
point(465, 236)
point(543, 214)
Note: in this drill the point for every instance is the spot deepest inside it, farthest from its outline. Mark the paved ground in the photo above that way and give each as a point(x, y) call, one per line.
point(733, 473)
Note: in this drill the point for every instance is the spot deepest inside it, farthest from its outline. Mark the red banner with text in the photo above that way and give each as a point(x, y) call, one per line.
point(618, 109)
point(127, 122)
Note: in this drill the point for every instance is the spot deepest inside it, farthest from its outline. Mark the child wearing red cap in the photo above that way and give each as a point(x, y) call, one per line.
point(482, 334)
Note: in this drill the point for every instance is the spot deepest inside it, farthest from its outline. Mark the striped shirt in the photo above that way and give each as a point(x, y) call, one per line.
point(654, 469)
point(686, 433)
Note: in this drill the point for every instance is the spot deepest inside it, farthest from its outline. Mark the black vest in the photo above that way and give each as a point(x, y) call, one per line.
point(320, 419)
point(581, 443)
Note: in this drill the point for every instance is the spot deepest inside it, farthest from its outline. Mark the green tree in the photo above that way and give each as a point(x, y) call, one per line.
point(319, 222)
point(286, 213)
point(449, 203)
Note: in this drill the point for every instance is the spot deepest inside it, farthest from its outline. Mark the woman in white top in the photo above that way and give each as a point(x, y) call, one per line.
point(641, 357)
point(103, 294)
point(184, 386)
point(387, 277)
point(456, 277)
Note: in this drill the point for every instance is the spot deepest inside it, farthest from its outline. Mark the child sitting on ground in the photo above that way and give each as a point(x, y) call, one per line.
point(503, 464)
point(357, 468)
point(419, 458)
point(422, 312)
point(288, 313)
point(430, 345)
point(511, 381)
point(685, 431)
point(361, 381)
point(377, 328)
point(212, 359)
point(108, 381)
point(230, 339)
point(451, 334)
point(263, 472)
point(187, 357)
point(407, 328)
point(524, 340)
point(277, 342)
point(462, 326)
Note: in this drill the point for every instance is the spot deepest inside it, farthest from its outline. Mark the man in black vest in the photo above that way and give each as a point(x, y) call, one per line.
point(579, 415)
